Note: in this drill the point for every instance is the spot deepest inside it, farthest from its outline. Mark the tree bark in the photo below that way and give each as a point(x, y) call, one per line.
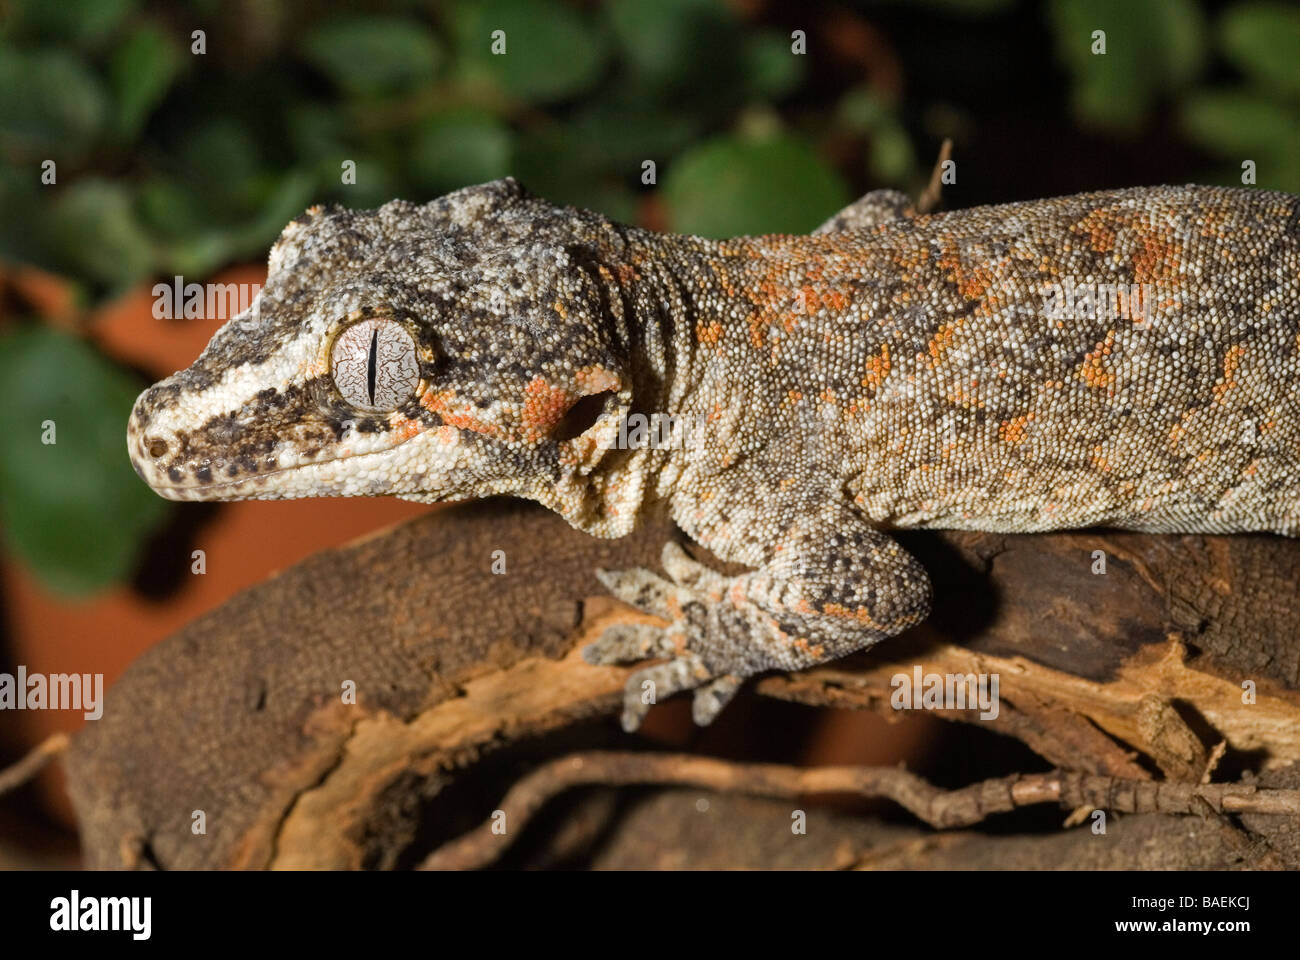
point(1178, 664)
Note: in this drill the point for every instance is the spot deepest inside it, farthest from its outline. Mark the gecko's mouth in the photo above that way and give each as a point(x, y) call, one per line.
point(319, 478)
point(283, 472)
point(266, 485)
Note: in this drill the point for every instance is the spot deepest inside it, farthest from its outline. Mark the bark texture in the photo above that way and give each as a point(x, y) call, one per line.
point(1180, 664)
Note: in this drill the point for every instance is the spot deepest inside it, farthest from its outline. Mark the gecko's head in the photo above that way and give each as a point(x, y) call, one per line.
point(457, 349)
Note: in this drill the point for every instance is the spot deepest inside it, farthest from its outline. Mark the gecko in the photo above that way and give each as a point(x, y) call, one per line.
point(1124, 358)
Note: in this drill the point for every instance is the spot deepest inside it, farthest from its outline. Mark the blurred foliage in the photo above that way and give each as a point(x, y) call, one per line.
point(1152, 48)
point(730, 186)
point(173, 162)
point(1162, 52)
point(63, 511)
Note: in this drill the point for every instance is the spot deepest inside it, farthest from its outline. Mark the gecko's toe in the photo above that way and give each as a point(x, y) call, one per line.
point(628, 643)
point(646, 687)
point(712, 697)
point(688, 572)
point(645, 590)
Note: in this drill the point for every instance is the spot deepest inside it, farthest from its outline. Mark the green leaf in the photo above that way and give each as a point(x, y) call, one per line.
point(203, 248)
point(73, 511)
point(378, 178)
point(1263, 41)
point(620, 128)
point(95, 233)
point(1235, 121)
point(1152, 47)
point(374, 55)
point(217, 160)
point(281, 197)
point(729, 187)
point(168, 210)
point(141, 71)
point(582, 180)
point(863, 110)
point(551, 51)
point(23, 225)
point(675, 43)
point(969, 7)
point(315, 131)
point(1242, 124)
point(892, 159)
point(77, 21)
point(51, 101)
point(460, 148)
point(771, 69)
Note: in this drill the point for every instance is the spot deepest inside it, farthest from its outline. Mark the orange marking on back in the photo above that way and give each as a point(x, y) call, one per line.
point(837, 300)
point(1093, 369)
point(860, 614)
point(878, 366)
point(1231, 360)
point(810, 299)
point(1156, 259)
point(708, 334)
point(973, 282)
point(1012, 431)
point(1098, 227)
point(596, 379)
point(942, 341)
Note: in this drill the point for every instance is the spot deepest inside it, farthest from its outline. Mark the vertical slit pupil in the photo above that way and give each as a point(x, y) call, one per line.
point(370, 365)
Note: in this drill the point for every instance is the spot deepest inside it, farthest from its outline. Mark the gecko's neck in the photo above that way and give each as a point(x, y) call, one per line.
point(667, 301)
point(650, 300)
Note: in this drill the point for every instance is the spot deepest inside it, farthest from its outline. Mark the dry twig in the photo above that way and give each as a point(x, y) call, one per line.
point(934, 189)
point(32, 764)
point(939, 808)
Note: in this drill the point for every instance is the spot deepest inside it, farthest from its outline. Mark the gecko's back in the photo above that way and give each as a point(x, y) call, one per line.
point(1128, 358)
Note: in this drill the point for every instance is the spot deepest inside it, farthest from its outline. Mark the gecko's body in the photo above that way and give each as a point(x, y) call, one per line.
point(890, 370)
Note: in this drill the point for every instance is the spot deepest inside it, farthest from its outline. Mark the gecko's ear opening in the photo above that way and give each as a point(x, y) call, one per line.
point(590, 427)
point(583, 415)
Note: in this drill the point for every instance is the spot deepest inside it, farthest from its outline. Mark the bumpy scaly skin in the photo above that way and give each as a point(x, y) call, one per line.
point(890, 370)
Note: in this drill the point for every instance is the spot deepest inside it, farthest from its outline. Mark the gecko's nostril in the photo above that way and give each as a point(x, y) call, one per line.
point(157, 448)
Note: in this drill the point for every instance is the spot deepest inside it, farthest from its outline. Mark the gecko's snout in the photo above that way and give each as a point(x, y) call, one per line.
point(148, 448)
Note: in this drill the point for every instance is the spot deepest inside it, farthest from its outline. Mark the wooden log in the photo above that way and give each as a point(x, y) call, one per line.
point(1183, 651)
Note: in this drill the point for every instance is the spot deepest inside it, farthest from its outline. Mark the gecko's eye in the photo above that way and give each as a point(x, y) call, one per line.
point(374, 365)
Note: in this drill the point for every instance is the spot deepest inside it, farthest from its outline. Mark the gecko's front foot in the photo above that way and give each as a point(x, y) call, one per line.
point(834, 586)
point(708, 630)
